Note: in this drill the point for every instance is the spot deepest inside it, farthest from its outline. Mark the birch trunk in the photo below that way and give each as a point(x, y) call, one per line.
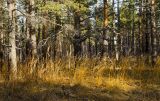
point(12, 38)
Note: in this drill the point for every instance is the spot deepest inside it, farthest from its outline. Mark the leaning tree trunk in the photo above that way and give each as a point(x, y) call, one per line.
point(12, 37)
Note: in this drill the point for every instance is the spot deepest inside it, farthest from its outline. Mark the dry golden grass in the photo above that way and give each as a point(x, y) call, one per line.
point(92, 73)
point(94, 79)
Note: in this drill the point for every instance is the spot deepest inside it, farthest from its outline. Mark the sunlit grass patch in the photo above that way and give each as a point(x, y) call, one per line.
point(90, 77)
point(90, 73)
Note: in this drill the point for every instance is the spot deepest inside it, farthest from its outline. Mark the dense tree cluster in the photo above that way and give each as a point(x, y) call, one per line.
point(55, 29)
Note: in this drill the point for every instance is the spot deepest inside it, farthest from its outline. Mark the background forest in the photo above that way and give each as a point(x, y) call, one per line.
point(108, 49)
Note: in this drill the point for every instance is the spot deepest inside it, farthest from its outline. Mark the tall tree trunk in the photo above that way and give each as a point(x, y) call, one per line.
point(133, 28)
point(139, 47)
point(44, 36)
point(153, 33)
point(31, 31)
point(1, 26)
point(1, 36)
point(147, 32)
point(12, 37)
point(105, 24)
point(113, 25)
point(118, 39)
point(77, 36)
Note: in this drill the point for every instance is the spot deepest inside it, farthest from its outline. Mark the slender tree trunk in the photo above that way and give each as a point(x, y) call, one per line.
point(1, 37)
point(139, 47)
point(44, 36)
point(89, 48)
point(117, 38)
point(153, 33)
point(113, 25)
point(32, 29)
point(133, 29)
point(147, 32)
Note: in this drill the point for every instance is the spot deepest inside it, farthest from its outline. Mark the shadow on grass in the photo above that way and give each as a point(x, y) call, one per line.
point(43, 91)
point(31, 91)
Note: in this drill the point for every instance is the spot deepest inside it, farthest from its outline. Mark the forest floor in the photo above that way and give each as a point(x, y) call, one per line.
point(88, 89)
point(51, 92)
point(84, 84)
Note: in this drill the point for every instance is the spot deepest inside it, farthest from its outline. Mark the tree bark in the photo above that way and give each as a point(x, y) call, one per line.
point(117, 38)
point(105, 24)
point(12, 38)
point(33, 34)
point(153, 33)
point(31, 31)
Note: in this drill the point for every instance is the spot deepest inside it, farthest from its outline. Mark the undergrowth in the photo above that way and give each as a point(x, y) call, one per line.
point(90, 72)
point(129, 75)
